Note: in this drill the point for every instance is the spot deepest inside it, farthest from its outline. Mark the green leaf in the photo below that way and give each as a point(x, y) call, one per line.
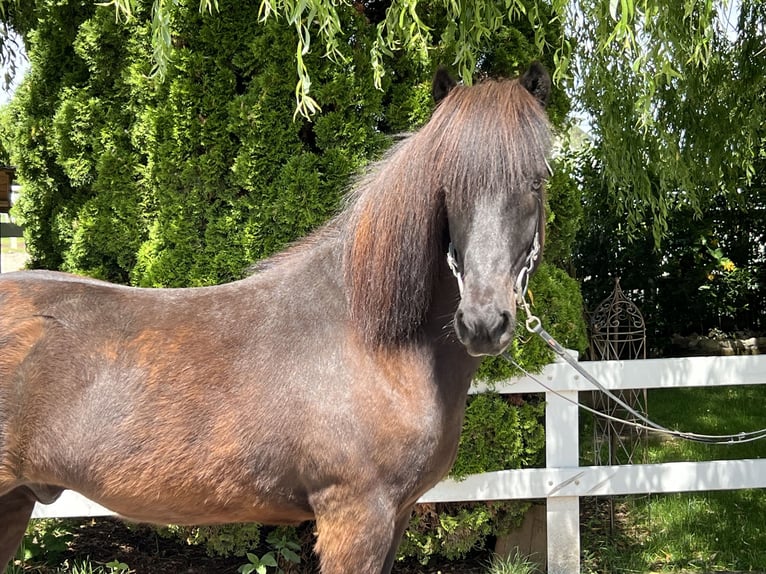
point(269, 560)
point(613, 4)
point(290, 556)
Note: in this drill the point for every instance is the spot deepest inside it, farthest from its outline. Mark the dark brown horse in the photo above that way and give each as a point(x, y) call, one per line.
point(329, 385)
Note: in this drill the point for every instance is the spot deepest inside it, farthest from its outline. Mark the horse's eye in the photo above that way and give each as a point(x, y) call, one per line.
point(537, 184)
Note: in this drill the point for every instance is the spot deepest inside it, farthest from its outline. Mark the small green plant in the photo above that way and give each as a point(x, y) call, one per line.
point(284, 550)
point(85, 567)
point(117, 567)
point(45, 541)
point(516, 564)
point(259, 565)
point(220, 540)
point(451, 531)
point(282, 540)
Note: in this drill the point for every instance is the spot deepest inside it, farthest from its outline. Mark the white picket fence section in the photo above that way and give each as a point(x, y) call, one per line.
point(563, 481)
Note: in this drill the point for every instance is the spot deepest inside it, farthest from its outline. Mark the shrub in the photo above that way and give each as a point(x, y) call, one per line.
point(453, 530)
point(219, 540)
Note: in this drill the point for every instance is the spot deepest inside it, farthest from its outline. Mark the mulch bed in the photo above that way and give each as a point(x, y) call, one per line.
point(143, 550)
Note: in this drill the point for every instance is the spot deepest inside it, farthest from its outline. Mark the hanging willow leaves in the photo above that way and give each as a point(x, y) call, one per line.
point(673, 91)
point(467, 30)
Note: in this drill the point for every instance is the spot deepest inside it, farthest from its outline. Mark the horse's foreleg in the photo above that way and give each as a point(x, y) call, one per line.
point(15, 509)
point(355, 538)
point(402, 522)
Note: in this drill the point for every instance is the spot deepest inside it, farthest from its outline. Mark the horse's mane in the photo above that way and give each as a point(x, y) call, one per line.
point(483, 139)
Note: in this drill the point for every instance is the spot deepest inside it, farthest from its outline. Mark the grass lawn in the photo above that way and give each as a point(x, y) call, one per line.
point(690, 532)
point(13, 253)
point(12, 244)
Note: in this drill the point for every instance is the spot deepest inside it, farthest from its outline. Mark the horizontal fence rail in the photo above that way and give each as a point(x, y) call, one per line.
point(564, 481)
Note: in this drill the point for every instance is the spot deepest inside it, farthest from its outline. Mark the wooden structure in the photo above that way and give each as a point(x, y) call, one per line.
point(7, 227)
point(7, 174)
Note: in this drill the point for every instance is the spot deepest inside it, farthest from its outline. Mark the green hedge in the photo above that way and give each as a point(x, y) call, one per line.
point(188, 181)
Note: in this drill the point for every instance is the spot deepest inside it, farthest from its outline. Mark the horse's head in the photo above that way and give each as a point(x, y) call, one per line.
point(475, 172)
point(496, 138)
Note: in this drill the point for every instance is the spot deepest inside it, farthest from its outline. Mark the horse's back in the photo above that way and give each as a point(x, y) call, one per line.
point(74, 353)
point(35, 303)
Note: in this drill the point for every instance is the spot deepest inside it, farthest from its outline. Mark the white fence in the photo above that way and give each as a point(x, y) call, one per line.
point(563, 481)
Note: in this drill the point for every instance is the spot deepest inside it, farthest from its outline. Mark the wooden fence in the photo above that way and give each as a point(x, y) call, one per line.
point(564, 481)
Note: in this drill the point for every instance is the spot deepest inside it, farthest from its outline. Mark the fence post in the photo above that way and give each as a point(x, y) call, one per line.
point(562, 450)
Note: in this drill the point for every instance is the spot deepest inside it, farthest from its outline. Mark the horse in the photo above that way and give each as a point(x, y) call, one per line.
point(329, 385)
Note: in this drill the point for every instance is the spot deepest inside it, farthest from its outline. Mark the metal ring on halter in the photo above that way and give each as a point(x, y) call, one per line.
point(533, 324)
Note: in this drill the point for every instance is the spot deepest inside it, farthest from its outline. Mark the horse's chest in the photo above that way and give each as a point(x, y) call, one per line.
point(424, 436)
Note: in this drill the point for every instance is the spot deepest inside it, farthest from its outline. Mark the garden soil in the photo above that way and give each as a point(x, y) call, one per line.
point(104, 540)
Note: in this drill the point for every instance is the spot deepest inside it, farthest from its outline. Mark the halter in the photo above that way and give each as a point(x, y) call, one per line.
point(534, 325)
point(522, 279)
point(454, 267)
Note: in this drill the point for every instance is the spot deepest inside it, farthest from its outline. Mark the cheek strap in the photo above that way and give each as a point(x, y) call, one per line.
point(454, 267)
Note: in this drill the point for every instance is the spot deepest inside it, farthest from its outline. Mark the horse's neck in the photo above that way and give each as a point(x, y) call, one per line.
point(313, 271)
point(306, 280)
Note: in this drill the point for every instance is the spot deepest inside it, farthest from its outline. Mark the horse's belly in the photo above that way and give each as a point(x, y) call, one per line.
point(173, 508)
point(185, 492)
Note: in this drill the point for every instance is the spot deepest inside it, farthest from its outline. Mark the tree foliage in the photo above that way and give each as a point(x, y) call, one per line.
point(675, 91)
point(188, 179)
point(708, 277)
point(465, 28)
point(677, 161)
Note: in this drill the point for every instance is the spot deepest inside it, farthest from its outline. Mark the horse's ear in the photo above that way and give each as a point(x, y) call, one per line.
point(442, 84)
point(537, 81)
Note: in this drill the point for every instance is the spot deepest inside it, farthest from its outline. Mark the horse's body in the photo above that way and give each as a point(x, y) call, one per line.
point(329, 385)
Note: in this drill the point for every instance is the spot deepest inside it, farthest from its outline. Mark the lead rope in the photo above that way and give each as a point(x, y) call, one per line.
point(534, 325)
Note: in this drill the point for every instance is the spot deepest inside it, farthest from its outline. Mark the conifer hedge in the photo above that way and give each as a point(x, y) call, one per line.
point(188, 181)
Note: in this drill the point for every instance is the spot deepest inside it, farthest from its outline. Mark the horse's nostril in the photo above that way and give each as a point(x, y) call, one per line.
point(506, 323)
point(484, 330)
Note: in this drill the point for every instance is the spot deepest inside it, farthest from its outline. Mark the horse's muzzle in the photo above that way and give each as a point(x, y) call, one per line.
point(484, 330)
